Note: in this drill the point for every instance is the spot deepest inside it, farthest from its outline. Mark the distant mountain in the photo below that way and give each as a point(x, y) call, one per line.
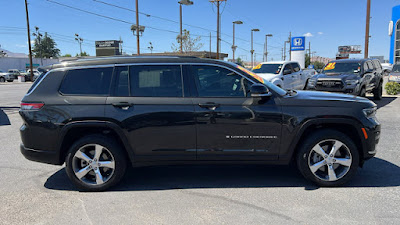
point(12, 54)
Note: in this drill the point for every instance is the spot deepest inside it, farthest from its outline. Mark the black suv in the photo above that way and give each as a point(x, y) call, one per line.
point(101, 114)
point(353, 76)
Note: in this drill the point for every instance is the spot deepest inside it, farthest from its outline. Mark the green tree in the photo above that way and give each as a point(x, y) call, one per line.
point(239, 61)
point(82, 54)
point(318, 65)
point(67, 55)
point(45, 47)
point(188, 43)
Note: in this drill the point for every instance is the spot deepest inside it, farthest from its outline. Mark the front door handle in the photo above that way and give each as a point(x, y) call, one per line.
point(209, 105)
point(122, 105)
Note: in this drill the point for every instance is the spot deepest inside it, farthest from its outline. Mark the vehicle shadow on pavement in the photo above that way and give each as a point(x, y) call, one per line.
point(4, 118)
point(383, 102)
point(376, 173)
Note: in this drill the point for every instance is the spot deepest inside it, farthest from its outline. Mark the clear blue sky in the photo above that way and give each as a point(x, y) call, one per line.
point(331, 23)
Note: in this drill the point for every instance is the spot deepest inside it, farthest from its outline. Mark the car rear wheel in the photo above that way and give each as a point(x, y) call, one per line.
point(378, 92)
point(95, 163)
point(328, 158)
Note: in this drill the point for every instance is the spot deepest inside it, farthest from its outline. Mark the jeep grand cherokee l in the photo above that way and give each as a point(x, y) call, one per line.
point(98, 115)
point(353, 76)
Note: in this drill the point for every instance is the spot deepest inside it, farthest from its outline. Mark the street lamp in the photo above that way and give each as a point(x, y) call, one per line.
point(266, 46)
point(252, 50)
point(39, 35)
point(79, 40)
point(233, 45)
point(182, 2)
point(150, 48)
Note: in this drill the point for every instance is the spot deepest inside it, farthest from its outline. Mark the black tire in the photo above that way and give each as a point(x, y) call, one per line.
point(112, 147)
point(305, 86)
point(305, 154)
point(2, 80)
point(362, 92)
point(378, 92)
point(10, 80)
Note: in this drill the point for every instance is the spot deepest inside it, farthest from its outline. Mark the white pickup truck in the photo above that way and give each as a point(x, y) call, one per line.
point(284, 74)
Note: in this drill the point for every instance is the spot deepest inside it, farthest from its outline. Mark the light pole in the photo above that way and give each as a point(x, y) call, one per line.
point(79, 40)
point(138, 31)
point(29, 39)
point(252, 50)
point(150, 47)
point(182, 2)
point(39, 35)
point(233, 45)
point(266, 46)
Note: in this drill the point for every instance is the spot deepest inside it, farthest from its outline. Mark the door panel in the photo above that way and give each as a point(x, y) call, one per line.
point(288, 79)
point(229, 124)
point(158, 124)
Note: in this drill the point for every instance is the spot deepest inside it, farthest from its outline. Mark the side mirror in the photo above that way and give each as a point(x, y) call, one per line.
point(287, 71)
point(259, 90)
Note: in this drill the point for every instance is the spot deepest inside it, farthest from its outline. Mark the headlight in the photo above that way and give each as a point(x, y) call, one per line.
point(370, 112)
point(352, 82)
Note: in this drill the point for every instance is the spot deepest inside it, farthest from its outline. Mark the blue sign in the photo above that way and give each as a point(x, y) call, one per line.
point(298, 44)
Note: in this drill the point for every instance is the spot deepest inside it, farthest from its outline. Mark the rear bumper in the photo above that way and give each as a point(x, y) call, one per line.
point(49, 157)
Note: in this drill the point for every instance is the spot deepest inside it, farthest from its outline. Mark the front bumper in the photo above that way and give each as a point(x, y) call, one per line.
point(42, 156)
point(372, 140)
point(349, 89)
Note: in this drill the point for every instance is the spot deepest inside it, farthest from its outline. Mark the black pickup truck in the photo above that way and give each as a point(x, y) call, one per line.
point(353, 76)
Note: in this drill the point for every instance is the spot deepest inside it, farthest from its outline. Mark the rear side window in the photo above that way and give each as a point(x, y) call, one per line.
point(155, 81)
point(37, 81)
point(94, 81)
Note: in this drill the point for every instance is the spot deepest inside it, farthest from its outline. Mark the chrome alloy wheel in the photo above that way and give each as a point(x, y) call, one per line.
point(330, 160)
point(93, 164)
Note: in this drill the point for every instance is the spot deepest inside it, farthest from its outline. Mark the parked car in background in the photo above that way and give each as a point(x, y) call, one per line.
point(387, 68)
point(394, 75)
point(181, 110)
point(284, 74)
point(13, 73)
point(353, 76)
point(4, 76)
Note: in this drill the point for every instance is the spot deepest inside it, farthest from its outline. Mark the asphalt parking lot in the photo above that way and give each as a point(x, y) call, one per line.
point(34, 193)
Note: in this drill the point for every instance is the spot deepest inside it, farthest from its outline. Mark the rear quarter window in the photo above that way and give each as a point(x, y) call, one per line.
point(93, 81)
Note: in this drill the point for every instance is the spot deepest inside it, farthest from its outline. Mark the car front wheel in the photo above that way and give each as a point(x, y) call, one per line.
point(95, 163)
point(328, 158)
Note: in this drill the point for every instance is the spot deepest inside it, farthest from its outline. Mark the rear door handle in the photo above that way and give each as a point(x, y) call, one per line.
point(209, 105)
point(122, 105)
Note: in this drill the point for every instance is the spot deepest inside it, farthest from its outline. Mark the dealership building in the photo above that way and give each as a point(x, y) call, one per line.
point(394, 33)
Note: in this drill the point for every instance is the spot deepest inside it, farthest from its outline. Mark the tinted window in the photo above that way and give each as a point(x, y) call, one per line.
point(95, 81)
point(287, 67)
point(155, 81)
point(212, 81)
point(296, 67)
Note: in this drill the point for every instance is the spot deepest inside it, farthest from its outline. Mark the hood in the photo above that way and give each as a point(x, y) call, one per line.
point(340, 76)
point(319, 98)
point(268, 76)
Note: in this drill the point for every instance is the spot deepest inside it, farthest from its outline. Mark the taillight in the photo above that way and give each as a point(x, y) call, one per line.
point(31, 106)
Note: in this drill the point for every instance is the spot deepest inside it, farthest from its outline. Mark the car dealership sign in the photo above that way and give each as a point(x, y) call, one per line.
point(298, 44)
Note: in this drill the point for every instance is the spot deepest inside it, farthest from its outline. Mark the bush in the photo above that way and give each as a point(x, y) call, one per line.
point(392, 88)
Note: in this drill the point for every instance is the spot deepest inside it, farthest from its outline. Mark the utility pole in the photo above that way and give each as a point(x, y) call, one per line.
point(266, 46)
point(182, 2)
point(29, 39)
point(137, 28)
point(233, 45)
point(210, 47)
point(284, 51)
point(290, 46)
point(309, 50)
point(367, 29)
point(282, 55)
point(218, 3)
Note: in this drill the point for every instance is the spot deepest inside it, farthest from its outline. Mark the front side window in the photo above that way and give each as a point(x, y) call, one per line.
point(296, 67)
point(213, 81)
point(287, 69)
point(93, 81)
point(155, 81)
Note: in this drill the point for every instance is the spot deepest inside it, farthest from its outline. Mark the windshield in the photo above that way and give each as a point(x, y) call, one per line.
point(268, 68)
point(339, 68)
point(271, 86)
point(396, 68)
